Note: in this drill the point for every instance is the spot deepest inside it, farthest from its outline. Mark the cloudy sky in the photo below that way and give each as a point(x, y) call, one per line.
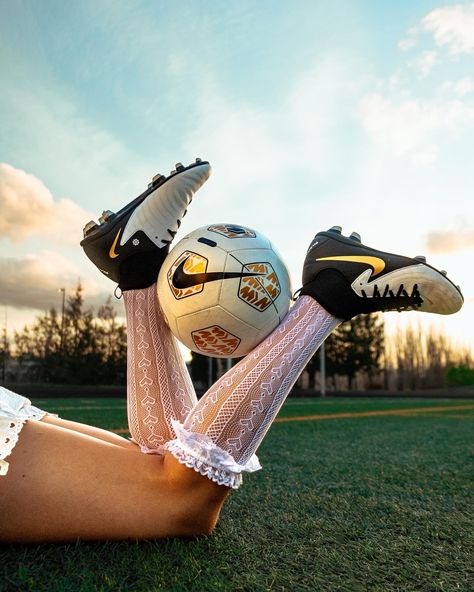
point(356, 112)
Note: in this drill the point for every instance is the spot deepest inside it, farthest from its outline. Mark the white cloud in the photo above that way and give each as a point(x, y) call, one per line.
point(406, 43)
point(450, 241)
point(424, 63)
point(411, 126)
point(46, 130)
point(246, 143)
point(419, 126)
point(410, 40)
point(461, 87)
point(452, 27)
point(32, 282)
point(464, 86)
point(427, 155)
point(28, 209)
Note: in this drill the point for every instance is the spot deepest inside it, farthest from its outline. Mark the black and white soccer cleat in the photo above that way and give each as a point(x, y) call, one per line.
point(347, 278)
point(130, 245)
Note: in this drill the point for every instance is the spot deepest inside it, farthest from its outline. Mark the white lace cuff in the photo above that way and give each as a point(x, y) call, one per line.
point(198, 452)
point(146, 450)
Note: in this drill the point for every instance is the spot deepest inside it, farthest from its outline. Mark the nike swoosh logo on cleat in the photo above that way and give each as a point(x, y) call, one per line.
point(405, 278)
point(376, 263)
point(182, 280)
point(112, 253)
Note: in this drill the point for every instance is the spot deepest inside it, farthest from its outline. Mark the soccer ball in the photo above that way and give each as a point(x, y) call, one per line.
point(223, 288)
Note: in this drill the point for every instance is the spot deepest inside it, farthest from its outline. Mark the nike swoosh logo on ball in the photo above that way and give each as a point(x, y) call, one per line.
point(182, 280)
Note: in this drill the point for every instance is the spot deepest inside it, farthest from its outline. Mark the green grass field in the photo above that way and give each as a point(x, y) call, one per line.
point(360, 502)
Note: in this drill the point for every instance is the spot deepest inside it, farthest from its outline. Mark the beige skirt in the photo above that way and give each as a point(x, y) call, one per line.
point(15, 411)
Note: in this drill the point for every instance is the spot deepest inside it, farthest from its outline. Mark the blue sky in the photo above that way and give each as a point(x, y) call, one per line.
point(355, 113)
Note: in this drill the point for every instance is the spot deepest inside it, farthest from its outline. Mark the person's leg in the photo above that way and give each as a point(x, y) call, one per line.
point(98, 433)
point(63, 485)
point(129, 247)
point(223, 431)
point(159, 388)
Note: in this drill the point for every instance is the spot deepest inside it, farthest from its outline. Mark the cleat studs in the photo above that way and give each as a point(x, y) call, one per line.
point(198, 160)
point(356, 237)
point(421, 258)
point(179, 166)
point(443, 272)
point(89, 227)
point(459, 288)
point(106, 215)
point(336, 229)
point(158, 178)
point(173, 172)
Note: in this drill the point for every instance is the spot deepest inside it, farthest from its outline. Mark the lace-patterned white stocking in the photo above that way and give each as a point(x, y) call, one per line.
point(223, 431)
point(159, 388)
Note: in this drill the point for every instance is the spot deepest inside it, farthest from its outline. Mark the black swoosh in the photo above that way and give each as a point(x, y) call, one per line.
point(182, 280)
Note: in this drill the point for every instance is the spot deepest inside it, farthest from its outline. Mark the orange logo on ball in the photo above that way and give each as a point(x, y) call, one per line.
point(215, 341)
point(262, 290)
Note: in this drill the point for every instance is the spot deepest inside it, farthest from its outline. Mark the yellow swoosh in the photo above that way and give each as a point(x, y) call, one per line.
point(112, 253)
point(375, 262)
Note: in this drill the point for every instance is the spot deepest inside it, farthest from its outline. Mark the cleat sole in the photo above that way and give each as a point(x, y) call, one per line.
point(105, 228)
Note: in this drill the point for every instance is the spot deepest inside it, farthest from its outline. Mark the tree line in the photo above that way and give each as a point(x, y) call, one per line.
point(79, 346)
point(74, 347)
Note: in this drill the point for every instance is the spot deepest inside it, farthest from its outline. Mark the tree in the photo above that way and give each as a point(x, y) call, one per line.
point(422, 357)
point(358, 347)
point(4, 353)
point(354, 346)
point(111, 342)
point(84, 349)
point(200, 366)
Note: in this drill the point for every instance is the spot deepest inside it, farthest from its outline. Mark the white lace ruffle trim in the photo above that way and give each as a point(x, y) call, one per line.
point(15, 410)
point(159, 450)
point(198, 452)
